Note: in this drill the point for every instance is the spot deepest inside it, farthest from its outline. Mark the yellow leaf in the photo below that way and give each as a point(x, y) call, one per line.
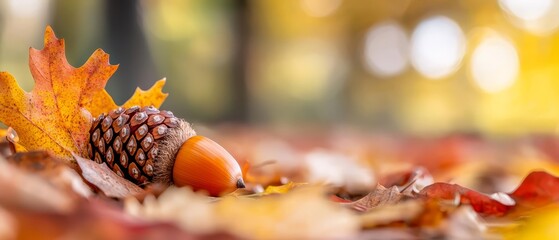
point(303, 213)
point(52, 116)
point(103, 102)
point(152, 96)
point(282, 189)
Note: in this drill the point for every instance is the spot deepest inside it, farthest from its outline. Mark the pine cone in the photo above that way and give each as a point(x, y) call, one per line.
point(141, 145)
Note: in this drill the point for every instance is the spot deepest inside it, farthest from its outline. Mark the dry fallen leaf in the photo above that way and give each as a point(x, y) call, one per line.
point(93, 219)
point(403, 211)
point(538, 189)
point(388, 233)
point(53, 169)
point(24, 190)
point(481, 203)
point(303, 213)
point(410, 181)
point(467, 224)
point(8, 226)
point(106, 180)
point(191, 211)
point(282, 188)
point(381, 196)
point(338, 170)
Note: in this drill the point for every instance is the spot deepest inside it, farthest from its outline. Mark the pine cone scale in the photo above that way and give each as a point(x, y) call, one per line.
point(126, 140)
point(147, 142)
point(119, 122)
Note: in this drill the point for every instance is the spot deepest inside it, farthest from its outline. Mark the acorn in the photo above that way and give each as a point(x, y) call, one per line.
point(146, 145)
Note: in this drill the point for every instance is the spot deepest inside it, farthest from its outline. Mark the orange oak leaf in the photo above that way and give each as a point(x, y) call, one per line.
point(52, 116)
point(57, 114)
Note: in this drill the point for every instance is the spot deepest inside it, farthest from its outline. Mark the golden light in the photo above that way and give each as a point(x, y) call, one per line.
point(320, 8)
point(437, 47)
point(494, 64)
point(386, 49)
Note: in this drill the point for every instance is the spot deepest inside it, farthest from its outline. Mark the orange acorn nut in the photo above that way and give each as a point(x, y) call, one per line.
point(204, 165)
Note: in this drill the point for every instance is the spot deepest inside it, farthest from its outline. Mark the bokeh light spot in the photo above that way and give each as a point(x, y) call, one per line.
point(386, 49)
point(527, 9)
point(537, 16)
point(494, 64)
point(26, 8)
point(437, 47)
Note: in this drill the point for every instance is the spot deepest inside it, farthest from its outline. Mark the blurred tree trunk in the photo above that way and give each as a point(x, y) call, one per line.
point(128, 47)
point(241, 29)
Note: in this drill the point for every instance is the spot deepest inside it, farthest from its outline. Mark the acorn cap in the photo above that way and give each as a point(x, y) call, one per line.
point(168, 149)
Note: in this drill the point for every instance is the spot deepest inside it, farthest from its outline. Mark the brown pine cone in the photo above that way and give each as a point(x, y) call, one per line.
point(141, 145)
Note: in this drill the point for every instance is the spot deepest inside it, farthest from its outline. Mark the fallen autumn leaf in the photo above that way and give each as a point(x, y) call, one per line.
point(106, 180)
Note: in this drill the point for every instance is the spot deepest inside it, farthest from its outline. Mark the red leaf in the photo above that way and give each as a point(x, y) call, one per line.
point(95, 219)
point(481, 203)
point(538, 189)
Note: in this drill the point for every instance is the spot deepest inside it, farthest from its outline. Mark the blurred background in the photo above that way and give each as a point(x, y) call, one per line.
point(428, 67)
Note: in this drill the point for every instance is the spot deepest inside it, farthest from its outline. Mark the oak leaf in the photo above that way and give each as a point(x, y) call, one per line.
point(57, 114)
point(103, 102)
